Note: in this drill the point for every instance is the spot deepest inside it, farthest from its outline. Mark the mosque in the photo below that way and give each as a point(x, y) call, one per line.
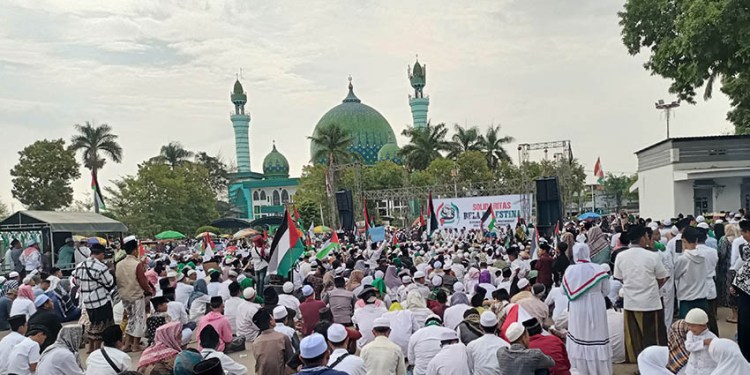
point(257, 195)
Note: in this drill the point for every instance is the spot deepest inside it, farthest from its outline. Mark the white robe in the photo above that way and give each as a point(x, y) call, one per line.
point(450, 360)
point(587, 323)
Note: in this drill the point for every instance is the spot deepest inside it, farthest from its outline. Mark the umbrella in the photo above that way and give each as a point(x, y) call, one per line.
point(100, 240)
point(245, 233)
point(204, 234)
point(321, 229)
point(588, 216)
point(169, 235)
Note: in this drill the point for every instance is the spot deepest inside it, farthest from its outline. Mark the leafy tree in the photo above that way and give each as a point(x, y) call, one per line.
point(472, 167)
point(4, 211)
point(421, 178)
point(464, 139)
point(41, 179)
point(442, 171)
point(384, 175)
point(694, 43)
point(218, 173)
point(493, 146)
point(617, 189)
point(312, 188)
point(332, 145)
point(173, 154)
point(96, 142)
point(309, 212)
point(425, 145)
point(160, 197)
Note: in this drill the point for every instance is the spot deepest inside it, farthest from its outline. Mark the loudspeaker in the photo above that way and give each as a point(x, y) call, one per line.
point(345, 206)
point(548, 205)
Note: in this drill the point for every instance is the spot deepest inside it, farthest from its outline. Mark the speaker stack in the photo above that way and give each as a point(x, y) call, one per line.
point(549, 209)
point(345, 206)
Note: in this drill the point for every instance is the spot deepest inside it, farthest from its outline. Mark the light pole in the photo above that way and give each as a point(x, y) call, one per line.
point(667, 108)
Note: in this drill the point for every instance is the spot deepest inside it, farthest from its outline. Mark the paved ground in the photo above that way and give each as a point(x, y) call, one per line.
point(726, 330)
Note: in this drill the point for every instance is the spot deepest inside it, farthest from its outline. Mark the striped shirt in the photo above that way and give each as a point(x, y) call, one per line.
point(96, 281)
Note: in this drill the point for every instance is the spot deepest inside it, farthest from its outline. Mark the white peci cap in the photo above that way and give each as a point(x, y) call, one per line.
point(515, 331)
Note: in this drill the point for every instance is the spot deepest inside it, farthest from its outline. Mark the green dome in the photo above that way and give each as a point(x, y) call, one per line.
point(238, 87)
point(275, 165)
point(389, 151)
point(368, 128)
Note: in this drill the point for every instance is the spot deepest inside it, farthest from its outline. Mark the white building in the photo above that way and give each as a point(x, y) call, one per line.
point(694, 175)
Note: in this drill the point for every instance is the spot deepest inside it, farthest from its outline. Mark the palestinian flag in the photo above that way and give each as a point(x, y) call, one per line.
point(490, 213)
point(297, 218)
point(433, 224)
point(333, 244)
point(598, 171)
point(285, 248)
point(422, 223)
point(366, 214)
point(97, 191)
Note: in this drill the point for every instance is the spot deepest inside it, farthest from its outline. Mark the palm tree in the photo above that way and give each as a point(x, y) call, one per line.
point(492, 145)
point(331, 144)
point(97, 142)
point(425, 145)
point(465, 139)
point(173, 154)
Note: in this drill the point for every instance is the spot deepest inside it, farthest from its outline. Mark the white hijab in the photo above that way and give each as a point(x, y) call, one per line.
point(579, 277)
point(653, 361)
point(728, 357)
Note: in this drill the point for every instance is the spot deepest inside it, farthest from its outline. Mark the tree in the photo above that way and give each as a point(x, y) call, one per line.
point(218, 173)
point(160, 197)
point(472, 167)
point(694, 43)
point(331, 145)
point(442, 171)
point(173, 154)
point(96, 142)
point(384, 175)
point(425, 145)
point(4, 211)
point(465, 139)
point(41, 179)
point(617, 189)
point(492, 144)
point(312, 188)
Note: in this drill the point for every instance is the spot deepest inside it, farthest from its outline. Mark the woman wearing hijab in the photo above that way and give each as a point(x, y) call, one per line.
point(459, 296)
point(471, 280)
point(586, 284)
point(392, 281)
point(159, 358)
point(24, 302)
point(728, 358)
point(666, 360)
point(61, 358)
point(418, 306)
point(724, 275)
point(184, 362)
point(198, 300)
point(355, 279)
point(599, 245)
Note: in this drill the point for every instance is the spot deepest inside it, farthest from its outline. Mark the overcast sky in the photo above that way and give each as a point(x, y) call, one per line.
point(161, 71)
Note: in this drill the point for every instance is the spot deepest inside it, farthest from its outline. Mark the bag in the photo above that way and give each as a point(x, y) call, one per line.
point(338, 360)
point(114, 295)
point(109, 360)
point(237, 345)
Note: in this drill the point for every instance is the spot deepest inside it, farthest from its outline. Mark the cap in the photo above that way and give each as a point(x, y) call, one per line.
point(337, 333)
point(249, 293)
point(703, 225)
point(696, 316)
point(532, 326)
point(522, 283)
point(211, 366)
point(41, 300)
point(288, 287)
point(406, 279)
point(13, 274)
point(30, 243)
point(279, 312)
point(700, 219)
point(307, 290)
point(667, 222)
point(446, 266)
point(438, 264)
point(128, 239)
point(381, 323)
point(19, 319)
point(433, 319)
point(515, 331)
point(418, 275)
point(458, 287)
point(160, 300)
point(312, 346)
point(171, 274)
point(488, 319)
point(437, 280)
point(192, 272)
point(69, 239)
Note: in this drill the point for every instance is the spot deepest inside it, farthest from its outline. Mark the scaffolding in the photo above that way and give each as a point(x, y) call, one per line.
point(565, 153)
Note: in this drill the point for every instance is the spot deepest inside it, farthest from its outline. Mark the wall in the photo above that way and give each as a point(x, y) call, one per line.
point(656, 199)
point(683, 198)
point(728, 198)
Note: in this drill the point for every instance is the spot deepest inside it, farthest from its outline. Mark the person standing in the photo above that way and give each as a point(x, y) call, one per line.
point(134, 288)
point(690, 274)
point(65, 254)
point(642, 274)
point(483, 351)
point(260, 264)
point(15, 252)
point(741, 287)
point(271, 349)
point(381, 356)
point(82, 252)
point(587, 284)
point(95, 281)
point(31, 258)
point(544, 266)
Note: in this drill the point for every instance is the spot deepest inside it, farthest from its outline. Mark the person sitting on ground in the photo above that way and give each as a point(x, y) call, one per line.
point(24, 302)
point(109, 359)
point(158, 317)
point(24, 357)
point(17, 331)
point(697, 342)
point(271, 349)
point(469, 329)
point(216, 319)
point(550, 345)
point(728, 357)
point(210, 340)
point(314, 354)
point(158, 359)
point(210, 366)
point(186, 360)
point(518, 359)
point(452, 357)
point(482, 352)
point(46, 317)
point(340, 359)
point(61, 358)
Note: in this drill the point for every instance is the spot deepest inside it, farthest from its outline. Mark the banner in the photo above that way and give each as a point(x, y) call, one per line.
point(467, 212)
point(377, 234)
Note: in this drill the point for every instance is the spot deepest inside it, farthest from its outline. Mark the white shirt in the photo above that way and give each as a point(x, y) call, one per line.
point(59, 361)
point(177, 312)
point(258, 263)
point(182, 293)
point(699, 362)
point(614, 290)
point(363, 318)
point(639, 269)
point(615, 241)
point(351, 364)
point(616, 325)
point(97, 365)
point(229, 366)
point(24, 353)
point(22, 306)
point(224, 289)
point(245, 326)
point(483, 354)
point(32, 262)
point(424, 344)
point(6, 345)
point(454, 315)
point(232, 310)
point(282, 328)
point(451, 360)
point(735, 261)
point(557, 297)
point(401, 328)
point(291, 302)
point(712, 259)
point(198, 308)
point(213, 289)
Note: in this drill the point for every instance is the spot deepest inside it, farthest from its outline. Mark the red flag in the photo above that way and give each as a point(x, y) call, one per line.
point(598, 171)
point(296, 214)
point(335, 238)
point(141, 249)
point(365, 213)
point(395, 239)
point(421, 218)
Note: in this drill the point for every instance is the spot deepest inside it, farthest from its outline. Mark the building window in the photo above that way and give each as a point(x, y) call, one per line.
point(276, 198)
point(262, 195)
point(255, 196)
point(284, 196)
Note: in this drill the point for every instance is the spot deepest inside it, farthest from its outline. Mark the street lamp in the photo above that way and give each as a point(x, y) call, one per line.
point(667, 108)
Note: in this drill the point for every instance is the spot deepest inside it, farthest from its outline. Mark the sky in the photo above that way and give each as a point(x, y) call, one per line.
point(161, 71)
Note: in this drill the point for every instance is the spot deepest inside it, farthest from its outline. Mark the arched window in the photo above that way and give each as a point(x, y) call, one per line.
point(256, 197)
point(276, 198)
point(284, 196)
point(262, 195)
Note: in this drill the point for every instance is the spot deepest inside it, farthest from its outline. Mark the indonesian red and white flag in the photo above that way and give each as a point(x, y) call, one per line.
point(516, 313)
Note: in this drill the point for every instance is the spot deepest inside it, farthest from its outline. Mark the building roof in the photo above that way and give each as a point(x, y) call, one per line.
point(275, 165)
point(699, 138)
point(81, 222)
point(389, 151)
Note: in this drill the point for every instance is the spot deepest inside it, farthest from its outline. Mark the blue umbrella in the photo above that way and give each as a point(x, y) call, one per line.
point(588, 216)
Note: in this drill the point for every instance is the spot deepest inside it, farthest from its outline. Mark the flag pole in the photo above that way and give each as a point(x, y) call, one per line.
point(593, 199)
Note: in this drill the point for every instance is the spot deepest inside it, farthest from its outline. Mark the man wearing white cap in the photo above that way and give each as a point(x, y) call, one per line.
point(314, 355)
point(518, 358)
point(280, 315)
point(224, 287)
point(31, 258)
point(245, 312)
point(419, 284)
point(452, 357)
point(82, 252)
point(381, 356)
point(340, 358)
point(483, 351)
point(424, 344)
point(365, 317)
point(288, 299)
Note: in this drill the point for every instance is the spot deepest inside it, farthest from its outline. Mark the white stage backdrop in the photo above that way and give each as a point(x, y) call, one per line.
point(467, 212)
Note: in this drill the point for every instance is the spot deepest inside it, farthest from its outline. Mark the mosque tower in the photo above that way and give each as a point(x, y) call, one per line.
point(418, 102)
point(241, 125)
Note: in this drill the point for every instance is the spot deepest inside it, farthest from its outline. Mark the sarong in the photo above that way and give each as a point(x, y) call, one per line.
point(643, 329)
point(100, 318)
point(136, 311)
point(686, 306)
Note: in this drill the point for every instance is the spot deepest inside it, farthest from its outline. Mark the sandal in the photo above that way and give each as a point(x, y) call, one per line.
point(730, 320)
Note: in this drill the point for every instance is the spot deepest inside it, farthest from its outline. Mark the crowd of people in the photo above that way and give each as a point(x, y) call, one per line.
point(454, 301)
